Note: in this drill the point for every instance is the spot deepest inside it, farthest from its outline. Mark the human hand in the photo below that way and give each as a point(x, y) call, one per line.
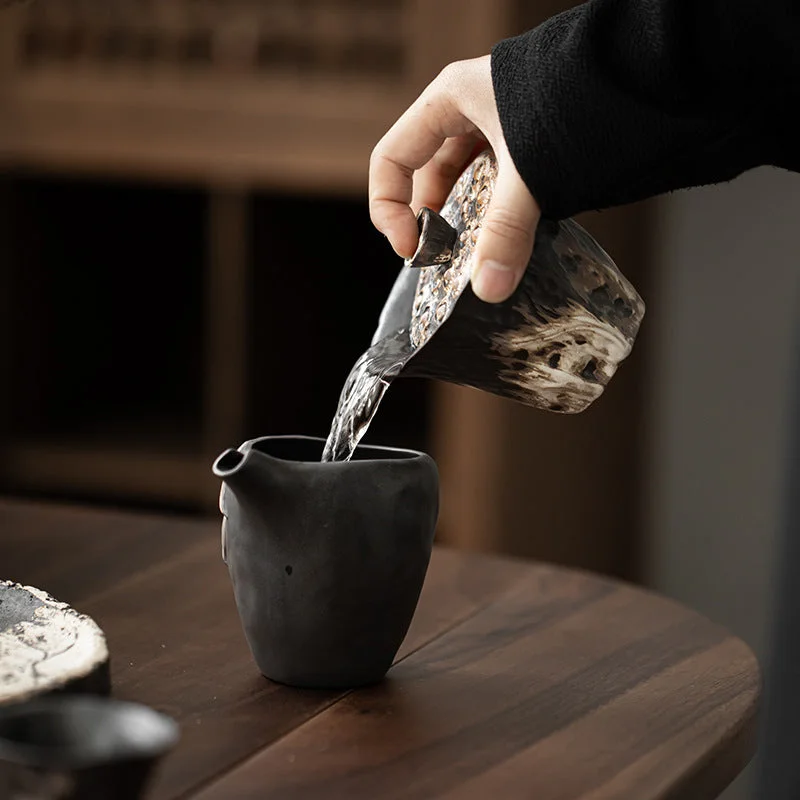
point(419, 159)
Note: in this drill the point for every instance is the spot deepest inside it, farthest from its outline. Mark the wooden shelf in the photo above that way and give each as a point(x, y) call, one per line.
point(283, 95)
point(104, 471)
point(283, 135)
point(104, 387)
point(172, 323)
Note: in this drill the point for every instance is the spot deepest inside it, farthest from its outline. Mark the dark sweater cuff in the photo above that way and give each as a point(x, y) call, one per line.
point(582, 139)
point(531, 87)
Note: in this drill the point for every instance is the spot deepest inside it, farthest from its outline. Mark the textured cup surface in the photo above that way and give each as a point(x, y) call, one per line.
point(327, 559)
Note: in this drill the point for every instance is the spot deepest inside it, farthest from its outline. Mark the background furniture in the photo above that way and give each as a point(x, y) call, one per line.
point(187, 261)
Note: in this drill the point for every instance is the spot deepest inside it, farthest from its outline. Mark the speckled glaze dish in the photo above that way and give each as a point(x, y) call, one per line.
point(47, 646)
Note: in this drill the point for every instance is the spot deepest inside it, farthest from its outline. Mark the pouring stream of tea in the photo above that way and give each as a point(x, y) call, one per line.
point(440, 283)
point(575, 321)
point(363, 391)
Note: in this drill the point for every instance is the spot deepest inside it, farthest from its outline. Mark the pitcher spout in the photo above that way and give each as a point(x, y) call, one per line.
point(233, 467)
point(230, 464)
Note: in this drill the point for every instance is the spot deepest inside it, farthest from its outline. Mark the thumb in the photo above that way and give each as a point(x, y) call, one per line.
point(506, 239)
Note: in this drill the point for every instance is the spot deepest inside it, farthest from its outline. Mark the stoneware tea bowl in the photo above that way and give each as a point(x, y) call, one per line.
point(80, 747)
point(327, 559)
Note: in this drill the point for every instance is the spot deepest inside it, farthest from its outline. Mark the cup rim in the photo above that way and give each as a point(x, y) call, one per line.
point(382, 454)
point(299, 437)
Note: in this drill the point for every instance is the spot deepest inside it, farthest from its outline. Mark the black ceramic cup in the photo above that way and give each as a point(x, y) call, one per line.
point(327, 559)
point(80, 747)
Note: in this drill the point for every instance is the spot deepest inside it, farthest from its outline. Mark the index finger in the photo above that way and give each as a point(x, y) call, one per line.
point(408, 145)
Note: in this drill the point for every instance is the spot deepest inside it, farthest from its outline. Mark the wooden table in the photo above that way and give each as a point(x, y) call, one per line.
point(517, 680)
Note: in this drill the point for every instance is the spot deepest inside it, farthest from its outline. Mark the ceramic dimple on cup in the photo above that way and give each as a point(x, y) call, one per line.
point(327, 559)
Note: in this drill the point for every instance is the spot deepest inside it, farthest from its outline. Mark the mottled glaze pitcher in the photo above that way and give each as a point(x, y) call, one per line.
point(554, 344)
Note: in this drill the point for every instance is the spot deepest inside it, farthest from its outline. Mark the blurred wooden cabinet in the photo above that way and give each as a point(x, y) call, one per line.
point(232, 97)
point(278, 92)
point(219, 101)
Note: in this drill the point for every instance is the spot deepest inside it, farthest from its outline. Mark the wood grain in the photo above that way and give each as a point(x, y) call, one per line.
point(516, 679)
point(158, 588)
point(567, 688)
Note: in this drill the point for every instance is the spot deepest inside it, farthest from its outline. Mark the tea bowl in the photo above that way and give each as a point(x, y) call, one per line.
point(81, 747)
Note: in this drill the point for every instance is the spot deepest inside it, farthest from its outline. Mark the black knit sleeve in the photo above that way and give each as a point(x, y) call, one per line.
point(618, 100)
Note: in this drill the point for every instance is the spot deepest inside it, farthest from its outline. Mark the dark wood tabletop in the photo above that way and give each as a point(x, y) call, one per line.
point(516, 680)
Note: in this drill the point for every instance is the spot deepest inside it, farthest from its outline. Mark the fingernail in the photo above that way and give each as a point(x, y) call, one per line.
point(493, 282)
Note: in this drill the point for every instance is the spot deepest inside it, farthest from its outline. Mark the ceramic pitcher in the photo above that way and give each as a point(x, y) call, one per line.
point(327, 560)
